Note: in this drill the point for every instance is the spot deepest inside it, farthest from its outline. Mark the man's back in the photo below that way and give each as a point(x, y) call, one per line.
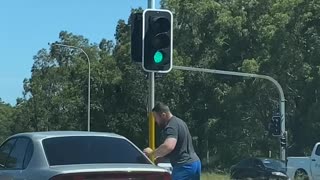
point(183, 152)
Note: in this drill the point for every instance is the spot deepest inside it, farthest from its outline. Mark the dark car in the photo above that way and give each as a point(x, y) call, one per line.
point(259, 168)
point(75, 155)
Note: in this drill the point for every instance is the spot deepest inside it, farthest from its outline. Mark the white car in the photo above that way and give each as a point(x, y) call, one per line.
point(75, 155)
point(166, 165)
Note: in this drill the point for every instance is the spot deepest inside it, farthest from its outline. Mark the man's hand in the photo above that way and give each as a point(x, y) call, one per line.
point(159, 160)
point(148, 151)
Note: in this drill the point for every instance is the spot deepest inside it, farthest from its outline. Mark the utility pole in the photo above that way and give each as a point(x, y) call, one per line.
point(151, 5)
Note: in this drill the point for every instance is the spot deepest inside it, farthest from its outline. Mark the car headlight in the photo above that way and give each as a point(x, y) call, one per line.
point(279, 174)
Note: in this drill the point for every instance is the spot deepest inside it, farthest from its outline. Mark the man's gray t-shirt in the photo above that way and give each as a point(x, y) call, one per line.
point(183, 153)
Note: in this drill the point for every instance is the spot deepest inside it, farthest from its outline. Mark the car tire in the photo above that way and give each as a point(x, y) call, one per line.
point(301, 175)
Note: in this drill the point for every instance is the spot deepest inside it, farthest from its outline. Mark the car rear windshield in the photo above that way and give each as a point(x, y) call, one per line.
point(90, 150)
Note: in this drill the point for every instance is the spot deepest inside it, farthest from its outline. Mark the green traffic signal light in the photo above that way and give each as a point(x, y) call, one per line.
point(158, 57)
point(157, 40)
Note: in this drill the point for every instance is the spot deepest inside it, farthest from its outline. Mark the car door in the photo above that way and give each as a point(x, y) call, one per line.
point(315, 163)
point(245, 168)
point(13, 159)
point(259, 168)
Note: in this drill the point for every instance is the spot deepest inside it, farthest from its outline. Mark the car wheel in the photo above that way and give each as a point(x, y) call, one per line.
point(301, 175)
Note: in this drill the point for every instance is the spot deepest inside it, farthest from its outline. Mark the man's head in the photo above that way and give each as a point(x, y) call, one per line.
point(162, 114)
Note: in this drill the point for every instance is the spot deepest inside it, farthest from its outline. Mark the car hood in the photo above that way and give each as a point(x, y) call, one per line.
point(78, 168)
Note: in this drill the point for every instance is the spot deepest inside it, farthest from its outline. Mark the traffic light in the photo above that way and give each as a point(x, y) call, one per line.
point(283, 142)
point(157, 40)
point(275, 126)
point(136, 37)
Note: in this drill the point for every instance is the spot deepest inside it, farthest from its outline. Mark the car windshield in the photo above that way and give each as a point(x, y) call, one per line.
point(91, 149)
point(273, 164)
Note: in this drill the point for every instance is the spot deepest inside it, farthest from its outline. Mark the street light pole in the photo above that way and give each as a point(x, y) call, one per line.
point(89, 75)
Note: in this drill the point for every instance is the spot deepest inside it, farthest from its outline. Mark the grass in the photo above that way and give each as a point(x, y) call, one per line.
point(213, 176)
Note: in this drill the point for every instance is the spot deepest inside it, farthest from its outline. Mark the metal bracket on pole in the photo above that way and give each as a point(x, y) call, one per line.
point(281, 94)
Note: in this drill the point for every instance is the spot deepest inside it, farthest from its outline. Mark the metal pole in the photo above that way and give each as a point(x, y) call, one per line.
point(281, 94)
point(89, 75)
point(151, 5)
point(283, 129)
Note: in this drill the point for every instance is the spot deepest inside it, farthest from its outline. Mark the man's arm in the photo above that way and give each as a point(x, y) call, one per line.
point(165, 148)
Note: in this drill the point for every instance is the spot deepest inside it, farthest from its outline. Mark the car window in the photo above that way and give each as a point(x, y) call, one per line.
point(16, 157)
point(28, 155)
point(5, 150)
point(318, 151)
point(258, 163)
point(91, 149)
point(246, 163)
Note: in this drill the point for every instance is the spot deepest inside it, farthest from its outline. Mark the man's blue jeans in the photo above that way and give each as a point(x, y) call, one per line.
point(190, 171)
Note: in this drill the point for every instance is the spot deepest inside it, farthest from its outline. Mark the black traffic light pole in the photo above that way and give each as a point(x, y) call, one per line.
point(281, 95)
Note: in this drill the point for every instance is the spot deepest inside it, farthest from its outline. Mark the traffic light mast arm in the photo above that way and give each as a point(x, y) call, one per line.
point(232, 73)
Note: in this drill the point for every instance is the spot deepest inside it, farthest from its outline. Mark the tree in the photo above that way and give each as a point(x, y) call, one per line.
point(6, 112)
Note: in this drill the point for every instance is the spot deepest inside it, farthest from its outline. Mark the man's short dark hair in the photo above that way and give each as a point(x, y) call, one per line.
point(161, 108)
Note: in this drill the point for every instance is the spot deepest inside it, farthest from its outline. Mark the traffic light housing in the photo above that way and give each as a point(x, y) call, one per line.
point(136, 37)
point(283, 142)
point(157, 40)
point(275, 126)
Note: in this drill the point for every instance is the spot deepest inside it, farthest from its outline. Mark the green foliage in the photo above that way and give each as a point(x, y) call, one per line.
point(6, 111)
point(250, 66)
point(209, 176)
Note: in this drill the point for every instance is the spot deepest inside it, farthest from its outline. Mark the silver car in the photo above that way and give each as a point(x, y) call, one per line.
point(75, 155)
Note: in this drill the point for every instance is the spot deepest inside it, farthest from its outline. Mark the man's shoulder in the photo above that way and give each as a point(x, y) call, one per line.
point(175, 120)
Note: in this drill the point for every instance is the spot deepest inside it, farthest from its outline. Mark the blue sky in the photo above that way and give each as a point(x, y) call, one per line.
point(26, 26)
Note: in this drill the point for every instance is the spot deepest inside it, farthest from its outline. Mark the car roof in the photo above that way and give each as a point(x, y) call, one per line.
point(52, 134)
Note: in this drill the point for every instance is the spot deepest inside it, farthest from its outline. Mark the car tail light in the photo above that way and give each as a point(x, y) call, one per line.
point(114, 176)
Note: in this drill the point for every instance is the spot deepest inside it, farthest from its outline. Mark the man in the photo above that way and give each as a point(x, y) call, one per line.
point(177, 145)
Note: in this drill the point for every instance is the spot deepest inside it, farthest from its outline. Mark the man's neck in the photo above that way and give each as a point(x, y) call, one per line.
point(169, 117)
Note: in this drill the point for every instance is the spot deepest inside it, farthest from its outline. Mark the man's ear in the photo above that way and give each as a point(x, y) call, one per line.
point(163, 115)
